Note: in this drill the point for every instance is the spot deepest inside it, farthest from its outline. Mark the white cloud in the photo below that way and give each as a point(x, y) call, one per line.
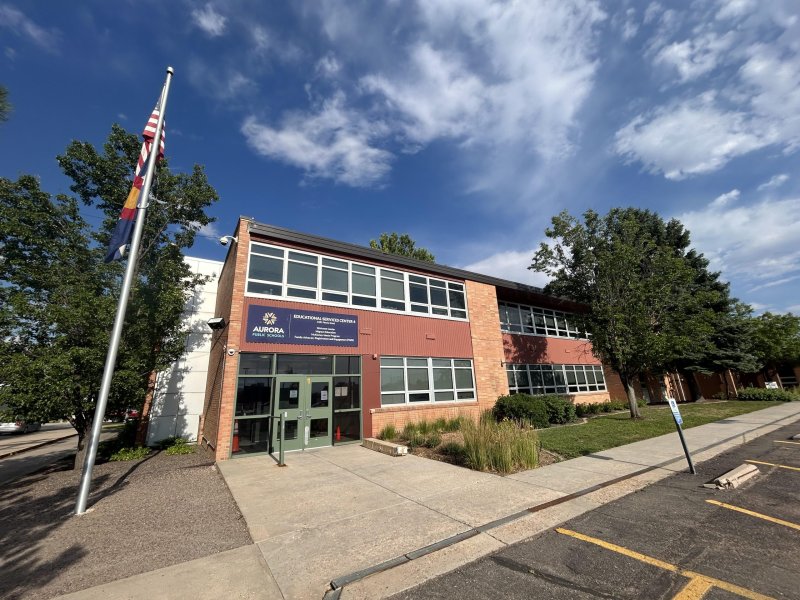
point(725, 199)
point(330, 142)
point(327, 66)
point(209, 20)
point(732, 9)
point(755, 243)
point(511, 265)
point(209, 231)
point(690, 138)
point(695, 57)
point(744, 93)
point(775, 181)
point(488, 76)
point(20, 24)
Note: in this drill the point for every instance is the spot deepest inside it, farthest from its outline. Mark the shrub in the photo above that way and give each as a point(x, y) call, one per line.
point(180, 448)
point(170, 441)
point(424, 427)
point(388, 433)
point(454, 450)
point(415, 439)
point(440, 424)
point(453, 424)
point(503, 447)
point(432, 440)
point(560, 409)
point(522, 407)
point(765, 395)
point(618, 405)
point(130, 453)
point(408, 431)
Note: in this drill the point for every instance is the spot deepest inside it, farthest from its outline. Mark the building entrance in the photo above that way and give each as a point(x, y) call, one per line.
point(306, 402)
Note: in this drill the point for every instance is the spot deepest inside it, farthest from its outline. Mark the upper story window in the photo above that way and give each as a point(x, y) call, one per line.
point(286, 273)
point(520, 318)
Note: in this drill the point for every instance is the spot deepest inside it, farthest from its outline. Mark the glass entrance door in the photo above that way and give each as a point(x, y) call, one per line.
point(306, 402)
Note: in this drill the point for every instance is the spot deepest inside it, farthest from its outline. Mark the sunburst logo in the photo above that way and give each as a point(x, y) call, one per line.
point(270, 318)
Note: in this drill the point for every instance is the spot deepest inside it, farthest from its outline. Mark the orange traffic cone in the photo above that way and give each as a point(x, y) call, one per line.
point(338, 433)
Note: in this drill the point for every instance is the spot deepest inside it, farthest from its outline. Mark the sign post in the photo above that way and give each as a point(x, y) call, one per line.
point(676, 414)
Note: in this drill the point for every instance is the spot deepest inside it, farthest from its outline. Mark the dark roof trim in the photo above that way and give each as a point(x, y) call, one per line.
point(287, 235)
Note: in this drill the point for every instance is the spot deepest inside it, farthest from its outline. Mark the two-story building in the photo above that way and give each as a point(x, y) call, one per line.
point(344, 339)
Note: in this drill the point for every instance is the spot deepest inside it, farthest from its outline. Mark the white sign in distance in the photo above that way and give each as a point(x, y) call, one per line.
point(771, 385)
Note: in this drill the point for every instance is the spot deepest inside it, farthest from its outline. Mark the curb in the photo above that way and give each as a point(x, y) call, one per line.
point(35, 446)
point(337, 585)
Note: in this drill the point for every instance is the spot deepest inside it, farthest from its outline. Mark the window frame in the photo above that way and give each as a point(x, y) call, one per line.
point(454, 291)
point(556, 372)
point(538, 321)
point(470, 393)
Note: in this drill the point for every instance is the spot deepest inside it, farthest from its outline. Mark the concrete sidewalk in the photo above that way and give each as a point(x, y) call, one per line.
point(377, 525)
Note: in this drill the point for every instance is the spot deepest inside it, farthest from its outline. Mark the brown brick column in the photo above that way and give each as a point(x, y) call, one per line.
point(235, 328)
point(487, 343)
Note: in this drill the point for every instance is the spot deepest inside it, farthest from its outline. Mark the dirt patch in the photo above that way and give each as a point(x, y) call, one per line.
point(143, 515)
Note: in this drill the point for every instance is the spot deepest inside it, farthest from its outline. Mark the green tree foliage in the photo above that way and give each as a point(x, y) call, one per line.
point(5, 105)
point(640, 282)
point(59, 298)
point(401, 245)
point(776, 339)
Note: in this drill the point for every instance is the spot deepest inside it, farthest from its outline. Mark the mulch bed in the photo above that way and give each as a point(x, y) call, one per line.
point(144, 515)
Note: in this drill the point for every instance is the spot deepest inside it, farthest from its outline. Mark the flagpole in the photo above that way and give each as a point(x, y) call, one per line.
point(116, 332)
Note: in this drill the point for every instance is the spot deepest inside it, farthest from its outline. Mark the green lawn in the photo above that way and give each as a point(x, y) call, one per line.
point(609, 431)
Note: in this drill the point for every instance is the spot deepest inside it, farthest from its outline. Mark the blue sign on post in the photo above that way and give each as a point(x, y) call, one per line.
point(272, 325)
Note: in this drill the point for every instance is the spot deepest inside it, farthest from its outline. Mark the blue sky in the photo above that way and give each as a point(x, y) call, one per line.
point(465, 123)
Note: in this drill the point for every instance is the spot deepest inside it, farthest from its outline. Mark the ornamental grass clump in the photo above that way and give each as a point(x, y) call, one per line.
point(503, 447)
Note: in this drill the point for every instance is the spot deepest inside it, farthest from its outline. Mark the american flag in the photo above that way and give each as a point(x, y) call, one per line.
point(121, 236)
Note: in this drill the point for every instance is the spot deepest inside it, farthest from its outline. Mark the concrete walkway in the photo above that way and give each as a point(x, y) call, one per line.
point(373, 524)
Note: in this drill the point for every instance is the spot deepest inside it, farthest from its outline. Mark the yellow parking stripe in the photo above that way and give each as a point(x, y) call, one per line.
point(698, 584)
point(787, 442)
point(755, 514)
point(695, 589)
point(761, 462)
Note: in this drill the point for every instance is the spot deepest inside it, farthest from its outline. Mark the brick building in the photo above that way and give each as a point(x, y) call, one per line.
point(344, 340)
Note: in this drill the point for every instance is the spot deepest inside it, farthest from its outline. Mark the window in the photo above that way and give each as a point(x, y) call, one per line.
point(291, 274)
point(417, 380)
point(520, 318)
point(555, 379)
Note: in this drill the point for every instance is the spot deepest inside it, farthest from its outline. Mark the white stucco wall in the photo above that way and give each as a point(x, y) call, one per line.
point(180, 391)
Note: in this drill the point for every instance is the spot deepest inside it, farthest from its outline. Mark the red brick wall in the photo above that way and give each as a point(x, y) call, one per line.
point(536, 349)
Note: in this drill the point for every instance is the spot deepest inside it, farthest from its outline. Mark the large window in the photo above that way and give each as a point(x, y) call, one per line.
point(274, 271)
point(520, 318)
point(555, 379)
point(406, 380)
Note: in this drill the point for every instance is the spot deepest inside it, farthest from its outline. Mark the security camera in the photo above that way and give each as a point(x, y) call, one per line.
point(227, 238)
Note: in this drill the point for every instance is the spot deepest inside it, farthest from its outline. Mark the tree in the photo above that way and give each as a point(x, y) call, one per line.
point(86, 300)
point(401, 245)
point(630, 269)
point(776, 341)
point(5, 105)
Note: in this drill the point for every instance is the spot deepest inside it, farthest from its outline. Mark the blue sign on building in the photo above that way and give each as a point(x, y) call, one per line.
point(271, 325)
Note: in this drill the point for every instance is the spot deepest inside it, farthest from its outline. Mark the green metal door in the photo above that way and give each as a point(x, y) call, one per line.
point(306, 403)
point(318, 412)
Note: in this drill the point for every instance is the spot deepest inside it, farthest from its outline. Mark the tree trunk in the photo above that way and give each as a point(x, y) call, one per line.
point(633, 405)
point(144, 416)
point(80, 456)
point(727, 387)
point(694, 387)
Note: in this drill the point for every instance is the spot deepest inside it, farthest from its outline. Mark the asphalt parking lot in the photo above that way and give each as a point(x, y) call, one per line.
point(673, 539)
